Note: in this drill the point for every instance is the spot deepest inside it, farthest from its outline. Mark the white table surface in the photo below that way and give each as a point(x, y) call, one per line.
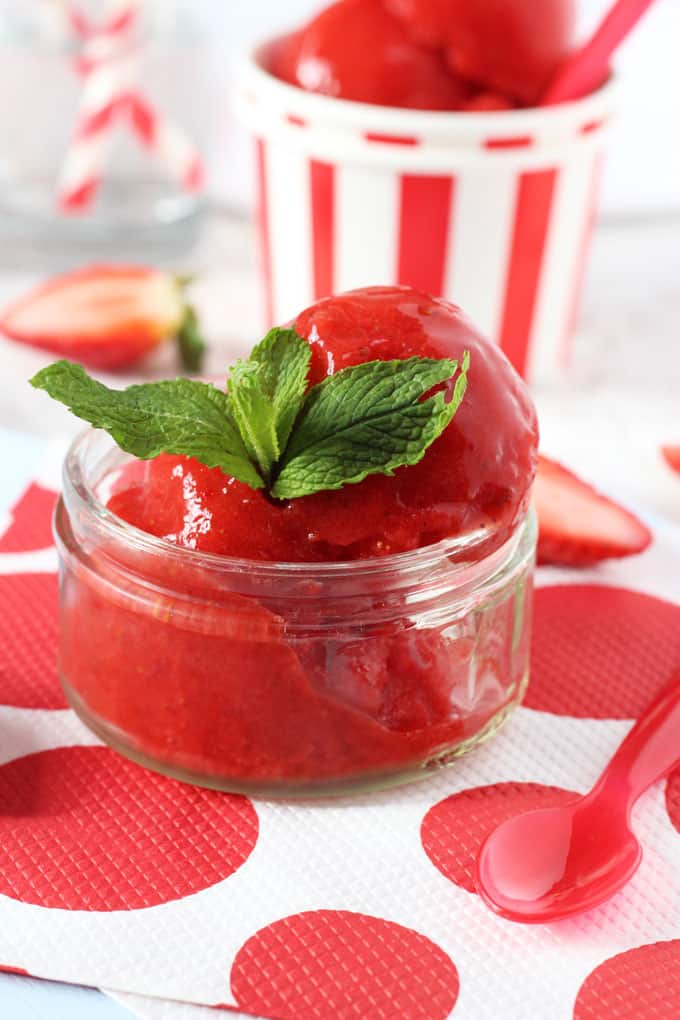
point(619, 402)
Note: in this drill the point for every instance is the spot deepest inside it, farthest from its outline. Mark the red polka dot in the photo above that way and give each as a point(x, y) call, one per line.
point(453, 830)
point(29, 624)
point(28, 641)
point(337, 965)
point(83, 829)
point(673, 799)
point(31, 526)
point(641, 984)
point(600, 652)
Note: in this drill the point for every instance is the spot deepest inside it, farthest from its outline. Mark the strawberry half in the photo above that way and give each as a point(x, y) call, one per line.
point(101, 316)
point(578, 525)
point(671, 455)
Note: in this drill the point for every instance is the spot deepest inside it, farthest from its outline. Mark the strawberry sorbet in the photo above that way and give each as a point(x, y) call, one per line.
point(430, 54)
point(477, 475)
point(340, 665)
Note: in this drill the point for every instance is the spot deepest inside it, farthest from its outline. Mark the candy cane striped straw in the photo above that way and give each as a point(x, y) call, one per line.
point(163, 138)
point(109, 66)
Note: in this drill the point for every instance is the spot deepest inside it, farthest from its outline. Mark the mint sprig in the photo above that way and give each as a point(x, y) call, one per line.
point(179, 416)
point(267, 392)
point(367, 419)
point(270, 430)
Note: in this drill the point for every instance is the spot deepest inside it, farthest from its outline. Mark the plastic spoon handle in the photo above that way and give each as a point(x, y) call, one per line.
point(651, 749)
point(587, 67)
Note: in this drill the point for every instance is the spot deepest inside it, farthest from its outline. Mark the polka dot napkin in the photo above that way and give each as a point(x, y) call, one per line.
point(358, 908)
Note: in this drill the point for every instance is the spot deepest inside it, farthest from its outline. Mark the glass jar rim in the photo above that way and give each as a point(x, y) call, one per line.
point(79, 489)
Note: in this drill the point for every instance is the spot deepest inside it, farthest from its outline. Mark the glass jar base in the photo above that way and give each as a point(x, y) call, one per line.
point(305, 790)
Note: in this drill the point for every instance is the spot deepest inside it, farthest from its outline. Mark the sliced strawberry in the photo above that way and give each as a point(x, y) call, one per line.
point(101, 316)
point(671, 455)
point(578, 525)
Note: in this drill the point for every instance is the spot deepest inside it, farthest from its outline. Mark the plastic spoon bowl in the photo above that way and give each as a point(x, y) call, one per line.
point(549, 864)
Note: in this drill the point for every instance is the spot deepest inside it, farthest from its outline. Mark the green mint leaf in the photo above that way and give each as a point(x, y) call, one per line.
point(283, 358)
point(190, 342)
point(368, 419)
point(267, 392)
point(180, 416)
point(254, 416)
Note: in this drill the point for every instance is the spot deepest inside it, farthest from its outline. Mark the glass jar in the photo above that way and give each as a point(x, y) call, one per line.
point(140, 210)
point(284, 678)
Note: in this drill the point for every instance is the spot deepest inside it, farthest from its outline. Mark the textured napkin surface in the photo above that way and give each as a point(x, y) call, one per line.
point(358, 908)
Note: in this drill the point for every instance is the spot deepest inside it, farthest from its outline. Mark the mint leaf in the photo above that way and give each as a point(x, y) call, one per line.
point(267, 392)
point(284, 359)
point(178, 416)
point(190, 342)
point(372, 418)
point(365, 420)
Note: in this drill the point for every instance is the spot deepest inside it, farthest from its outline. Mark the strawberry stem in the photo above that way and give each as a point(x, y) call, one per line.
point(190, 342)
point(184, 280)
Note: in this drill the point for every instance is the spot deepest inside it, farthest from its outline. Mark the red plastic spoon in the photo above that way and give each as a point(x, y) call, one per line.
point(549, 864)
point(587, 67)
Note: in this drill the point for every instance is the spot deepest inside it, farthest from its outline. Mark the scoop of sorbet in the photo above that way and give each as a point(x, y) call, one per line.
point(511, 47)
point(356, 49)
point(476, 475)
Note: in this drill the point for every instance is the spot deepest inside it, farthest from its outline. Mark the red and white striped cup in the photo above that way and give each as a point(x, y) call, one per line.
point(491, 210)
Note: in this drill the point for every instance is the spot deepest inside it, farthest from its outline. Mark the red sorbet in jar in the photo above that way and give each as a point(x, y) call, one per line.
point(360, 635)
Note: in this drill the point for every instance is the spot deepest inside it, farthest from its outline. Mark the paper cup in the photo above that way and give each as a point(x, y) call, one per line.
point(491, 210)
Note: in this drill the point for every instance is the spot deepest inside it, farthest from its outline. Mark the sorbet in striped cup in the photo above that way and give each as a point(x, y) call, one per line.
point(398, 141)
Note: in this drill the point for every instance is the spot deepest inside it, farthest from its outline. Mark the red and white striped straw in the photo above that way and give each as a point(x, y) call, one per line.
point(109, 66)
point(168, 142)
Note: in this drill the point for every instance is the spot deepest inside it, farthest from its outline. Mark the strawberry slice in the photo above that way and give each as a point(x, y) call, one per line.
point(578, 525)
point(671, 455)
point(104, 316)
